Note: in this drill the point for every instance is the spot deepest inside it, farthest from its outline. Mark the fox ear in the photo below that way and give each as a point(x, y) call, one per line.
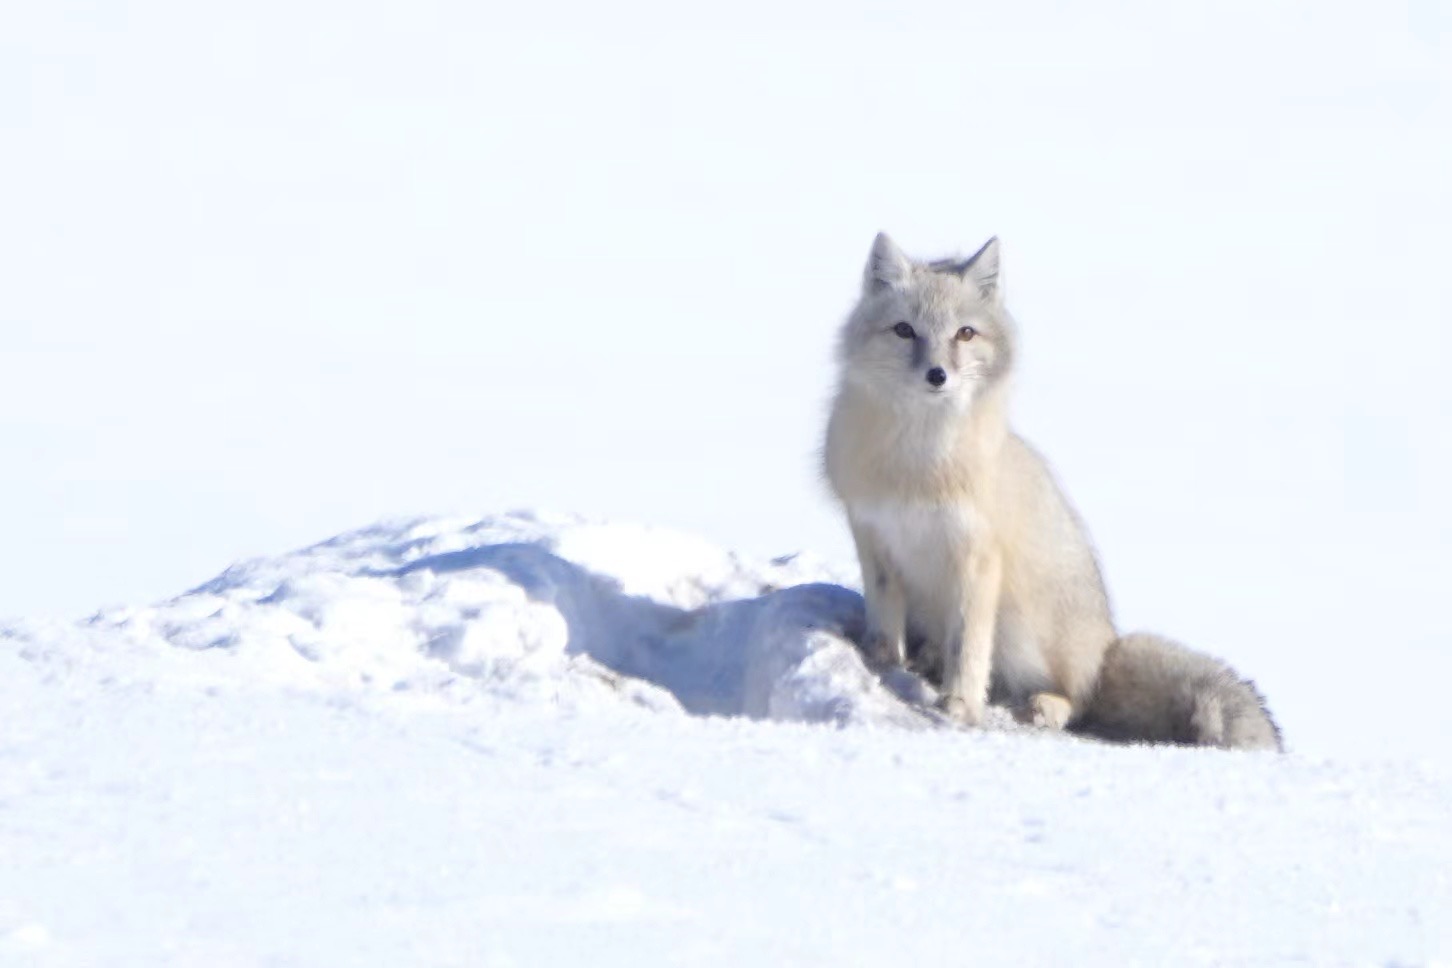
point(887, 266)
point(982, 270)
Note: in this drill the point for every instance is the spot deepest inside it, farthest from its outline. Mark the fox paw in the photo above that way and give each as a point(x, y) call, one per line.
point(885, 653)
point(1049, 711)
point(958, 708)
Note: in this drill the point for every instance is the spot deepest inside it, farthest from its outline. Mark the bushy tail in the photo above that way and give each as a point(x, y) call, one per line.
point(1153, 690)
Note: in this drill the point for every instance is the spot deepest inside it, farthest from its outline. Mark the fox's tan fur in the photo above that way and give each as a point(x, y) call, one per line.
point(967, 543)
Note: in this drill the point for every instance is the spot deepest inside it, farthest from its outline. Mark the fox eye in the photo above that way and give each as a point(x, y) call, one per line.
point(904, 330)
point(967, 333)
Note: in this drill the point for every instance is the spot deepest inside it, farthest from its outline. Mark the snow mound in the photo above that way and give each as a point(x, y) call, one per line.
point(537, 608)
point(506, 741)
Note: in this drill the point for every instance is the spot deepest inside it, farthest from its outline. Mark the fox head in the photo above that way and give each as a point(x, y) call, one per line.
point(929, 334)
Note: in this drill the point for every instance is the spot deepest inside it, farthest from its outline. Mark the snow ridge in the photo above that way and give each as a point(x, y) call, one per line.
point(534, 606)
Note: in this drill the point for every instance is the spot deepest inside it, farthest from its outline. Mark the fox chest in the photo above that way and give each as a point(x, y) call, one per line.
point(927, 545)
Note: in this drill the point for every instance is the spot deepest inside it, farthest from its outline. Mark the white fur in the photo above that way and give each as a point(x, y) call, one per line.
point(965, 538)
point(923, 542)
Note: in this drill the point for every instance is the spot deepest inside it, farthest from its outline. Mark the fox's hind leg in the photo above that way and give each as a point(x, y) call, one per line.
point(1048, 710)
point(1073, 673)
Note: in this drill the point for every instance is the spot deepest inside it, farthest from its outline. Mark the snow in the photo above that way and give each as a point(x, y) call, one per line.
point(543, 739)
point(275, 270)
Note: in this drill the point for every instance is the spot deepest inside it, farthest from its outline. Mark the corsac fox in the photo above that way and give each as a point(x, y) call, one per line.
point(968, 545)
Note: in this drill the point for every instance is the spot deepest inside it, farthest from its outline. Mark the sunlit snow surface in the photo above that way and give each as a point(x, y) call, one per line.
point(531, 739)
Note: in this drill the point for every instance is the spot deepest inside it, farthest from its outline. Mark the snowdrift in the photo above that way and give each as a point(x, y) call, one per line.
point(531, 739)
point(539, 607)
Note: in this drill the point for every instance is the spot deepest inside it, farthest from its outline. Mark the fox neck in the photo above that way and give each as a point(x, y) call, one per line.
point(918, 454)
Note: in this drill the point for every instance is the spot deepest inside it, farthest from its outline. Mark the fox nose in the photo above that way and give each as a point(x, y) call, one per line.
point(937, 376)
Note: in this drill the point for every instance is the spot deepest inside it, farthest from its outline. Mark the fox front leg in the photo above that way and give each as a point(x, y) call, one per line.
point(968, 653)
point(886, 602)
